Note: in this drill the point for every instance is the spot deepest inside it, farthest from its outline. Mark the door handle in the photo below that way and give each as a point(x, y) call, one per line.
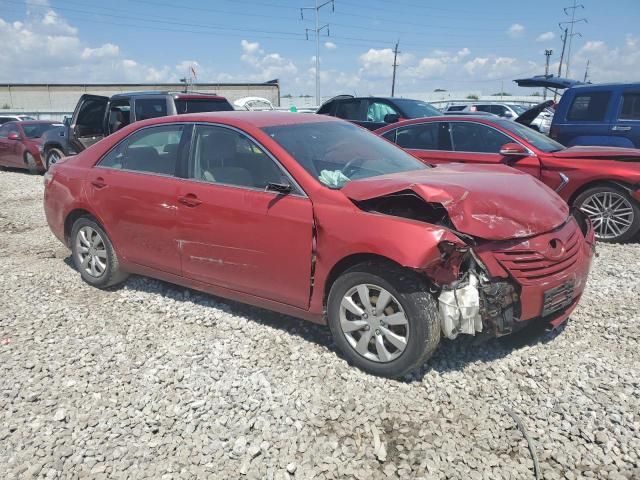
point(189, 200)
point(618, 128)
point(99, 183)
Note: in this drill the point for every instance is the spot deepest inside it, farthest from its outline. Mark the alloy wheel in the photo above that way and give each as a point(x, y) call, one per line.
point(53, 157)
point(91, 251)
point(374, 323)
point(610, 213)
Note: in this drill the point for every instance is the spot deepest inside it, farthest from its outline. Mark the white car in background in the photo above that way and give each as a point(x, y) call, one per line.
point(511, 111)
point(253, 104)
point(15, 118)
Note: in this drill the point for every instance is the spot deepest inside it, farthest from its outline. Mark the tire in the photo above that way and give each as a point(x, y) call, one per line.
point(103, 271)
point(52, 156)
point(408, 295)
point(614, 214)
point(30, 162)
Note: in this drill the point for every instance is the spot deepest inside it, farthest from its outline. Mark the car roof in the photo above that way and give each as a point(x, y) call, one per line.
point(258, 119)
point(39, 122)
point(587, 86)
point(177, 95)
point(487, 119)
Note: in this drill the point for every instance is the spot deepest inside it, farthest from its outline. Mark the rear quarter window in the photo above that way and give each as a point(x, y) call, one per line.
point(589, 107)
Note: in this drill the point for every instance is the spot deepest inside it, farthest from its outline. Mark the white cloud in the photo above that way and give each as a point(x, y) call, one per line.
point(379, 62)
point(330, 45)
point(608, 64)
point(106, 50)
point(516, 30)
point(266, 66)
point(546, 37)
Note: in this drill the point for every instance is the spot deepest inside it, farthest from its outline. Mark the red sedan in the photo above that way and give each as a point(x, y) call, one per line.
point(318, 218)
point(603, 182)
point(20, 144)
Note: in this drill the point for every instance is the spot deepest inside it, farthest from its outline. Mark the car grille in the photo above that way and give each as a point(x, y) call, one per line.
point(531, 266)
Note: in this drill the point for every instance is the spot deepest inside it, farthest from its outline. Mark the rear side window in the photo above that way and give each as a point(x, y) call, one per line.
point(150, 108)
point(201, 105)
point(590, 106)
point(150, 150)
point(475, 137)
point(349, 109)
point(630, 107)
point(427, 136)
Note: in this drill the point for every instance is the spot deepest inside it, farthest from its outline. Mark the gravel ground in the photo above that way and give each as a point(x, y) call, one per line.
point(156, 381)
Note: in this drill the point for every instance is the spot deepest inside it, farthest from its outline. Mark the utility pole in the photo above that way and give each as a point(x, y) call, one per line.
point(571, 24)
point(547, 53)
point(586, 71)
point(317, 31)
point(395, 65)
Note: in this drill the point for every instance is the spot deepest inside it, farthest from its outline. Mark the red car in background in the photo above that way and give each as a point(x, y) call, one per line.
point(315, 217)
point(20, 144)
point(602, 182)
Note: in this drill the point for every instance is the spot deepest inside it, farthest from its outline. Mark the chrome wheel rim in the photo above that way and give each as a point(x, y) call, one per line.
point(374, 323)
point(610, 213)
point(91, 252)
point(53, 158)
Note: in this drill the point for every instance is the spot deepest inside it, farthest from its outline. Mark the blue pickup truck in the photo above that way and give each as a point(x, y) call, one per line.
point(600, 114)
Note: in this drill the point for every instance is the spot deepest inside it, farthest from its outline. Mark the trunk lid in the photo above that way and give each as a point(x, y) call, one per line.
point(493, 202)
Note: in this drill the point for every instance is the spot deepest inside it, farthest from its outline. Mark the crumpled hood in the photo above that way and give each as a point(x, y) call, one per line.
point(494, 202)
point(600, 153)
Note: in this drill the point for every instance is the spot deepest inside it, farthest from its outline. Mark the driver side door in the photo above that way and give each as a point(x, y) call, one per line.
point(88, 121)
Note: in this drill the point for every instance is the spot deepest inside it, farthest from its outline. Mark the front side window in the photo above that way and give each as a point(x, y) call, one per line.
point(537, 139)
point(475, 137)
point(337, 152)
point(36, 130)
point(225, 156)
point(425, 136)
point(150, 108)
point(378, 110)
point(630, 107)
point(150, 150)
point(589, 107)
point(4, 131)
point(416, 108)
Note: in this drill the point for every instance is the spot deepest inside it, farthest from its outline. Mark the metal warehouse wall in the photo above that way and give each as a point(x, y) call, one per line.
point(57, 100)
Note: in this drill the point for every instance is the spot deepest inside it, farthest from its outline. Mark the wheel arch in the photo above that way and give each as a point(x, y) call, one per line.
point(598, 183)
point(74, 215)
point(346, 263)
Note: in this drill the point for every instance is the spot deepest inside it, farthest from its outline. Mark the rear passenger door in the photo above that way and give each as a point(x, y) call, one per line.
point(627, 120)
point(134, 191)
point(429, 141)
point(235, 231)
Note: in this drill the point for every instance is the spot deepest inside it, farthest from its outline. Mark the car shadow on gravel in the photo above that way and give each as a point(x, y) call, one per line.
point(452, 355)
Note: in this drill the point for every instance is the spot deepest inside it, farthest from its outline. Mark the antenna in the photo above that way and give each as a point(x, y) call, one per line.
point(317, 31)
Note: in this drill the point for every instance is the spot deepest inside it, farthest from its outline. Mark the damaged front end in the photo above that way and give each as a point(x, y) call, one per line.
point(469, 301)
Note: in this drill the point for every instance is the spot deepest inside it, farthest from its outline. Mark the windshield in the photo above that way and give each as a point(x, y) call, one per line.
point(519, 109)
point(36, 130)
point(416, 109)
point(194, 105)
point(337, 152)
point(538, 140)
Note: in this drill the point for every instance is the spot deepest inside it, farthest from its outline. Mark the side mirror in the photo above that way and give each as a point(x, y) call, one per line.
point(391, 118)
point(513, 150)
point(67, 121)
point(283, 187)
point(13, 136)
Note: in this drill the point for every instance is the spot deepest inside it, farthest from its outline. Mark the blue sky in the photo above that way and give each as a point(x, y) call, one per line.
point(456, 45)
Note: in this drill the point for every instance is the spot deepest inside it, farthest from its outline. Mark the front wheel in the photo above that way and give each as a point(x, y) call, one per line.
point(614, 214)
point(93, 254)
point(53, 156)
point(383, 318)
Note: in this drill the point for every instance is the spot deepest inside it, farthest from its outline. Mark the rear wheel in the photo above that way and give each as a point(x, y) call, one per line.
point(383, 319)
point(614, 214)
point(53, 155)
point(30, 162)
point(93, 254)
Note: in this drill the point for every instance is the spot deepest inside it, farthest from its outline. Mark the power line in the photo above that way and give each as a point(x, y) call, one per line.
point(573, 21)
point(318, 6)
